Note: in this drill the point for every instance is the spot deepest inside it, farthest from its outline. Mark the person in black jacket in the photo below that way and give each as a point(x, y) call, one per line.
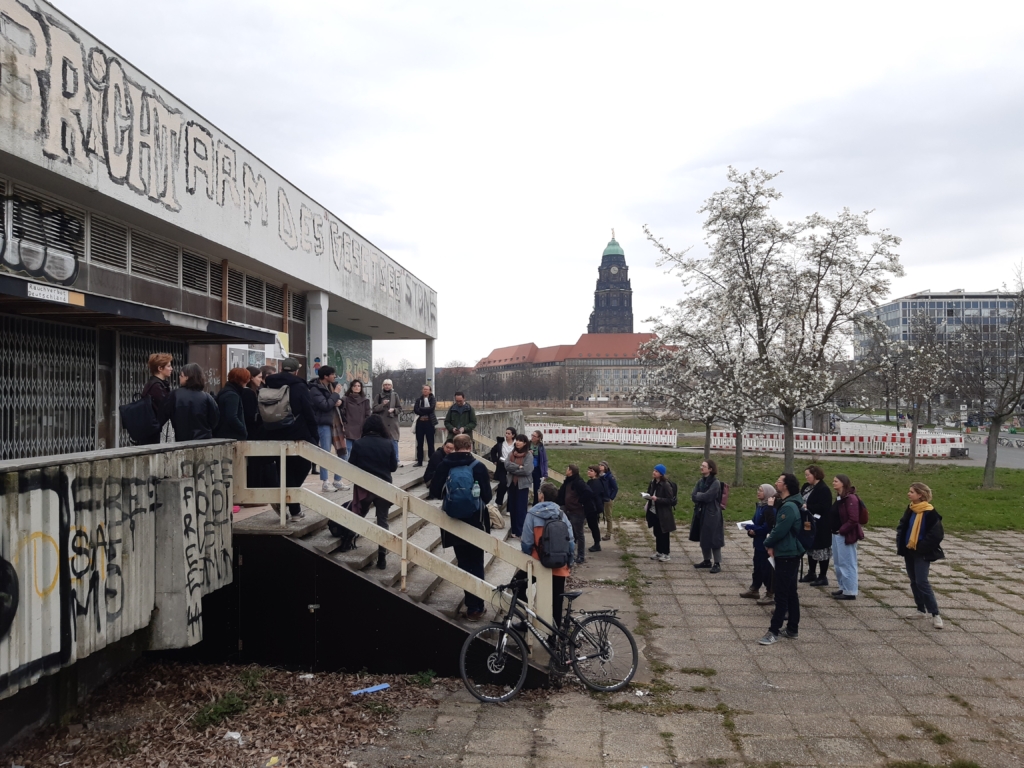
point(818, 501)
point(597, 486)
point(250, 402)
point(469, 556)
point(191, 411)
point(426, 423)
point(374, 452)
point(918, 537)
point(158, 387)
point(302, 427)
point(232, 410)
point(578, 502)
point(448, 447)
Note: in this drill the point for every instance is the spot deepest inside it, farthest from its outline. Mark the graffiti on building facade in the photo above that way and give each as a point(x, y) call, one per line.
point(46, 242)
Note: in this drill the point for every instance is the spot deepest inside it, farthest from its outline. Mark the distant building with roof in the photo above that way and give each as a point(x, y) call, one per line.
point(613, 296)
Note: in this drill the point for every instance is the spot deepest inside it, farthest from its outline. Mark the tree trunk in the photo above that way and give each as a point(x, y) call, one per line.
point(738, 479)
point(787, 429)
point(913, 436)
point(929, 421)
point(707, 440)
point(990, 454)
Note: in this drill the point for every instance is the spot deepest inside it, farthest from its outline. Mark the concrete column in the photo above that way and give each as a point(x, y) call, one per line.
point(430, 364)
point(316, 324)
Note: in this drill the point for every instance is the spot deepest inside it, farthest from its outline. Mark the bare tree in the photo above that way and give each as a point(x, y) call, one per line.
point(579, 381)
point(920, 366)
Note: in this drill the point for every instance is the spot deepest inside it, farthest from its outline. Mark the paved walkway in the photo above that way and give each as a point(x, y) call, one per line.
point(861, 687)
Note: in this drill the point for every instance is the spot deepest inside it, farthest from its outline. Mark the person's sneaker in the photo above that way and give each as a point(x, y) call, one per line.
point(789, 635)
point(768, 639)
point(656, 556)
point(326, 487)
point(595, 548)
point(844, 597)
point(753, 594)
point(474, 615)
point(937, 621)
point(837, 593)
point(340, 486)
point(716, 568)
point(703, 564)
point(768, 599)
point(296, 517)
point(917, 615)
point(663, 558)
point(807, 578)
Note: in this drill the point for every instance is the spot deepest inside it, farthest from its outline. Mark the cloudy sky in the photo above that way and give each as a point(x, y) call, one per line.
point(491, 147)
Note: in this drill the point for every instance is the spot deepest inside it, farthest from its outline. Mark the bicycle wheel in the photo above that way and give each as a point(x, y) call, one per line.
point(605, 656)
point(493, 663)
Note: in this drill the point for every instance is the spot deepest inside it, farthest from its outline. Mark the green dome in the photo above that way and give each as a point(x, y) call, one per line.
point(613, 248)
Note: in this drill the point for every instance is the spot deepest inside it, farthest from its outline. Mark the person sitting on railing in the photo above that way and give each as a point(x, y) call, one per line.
point(435, 461)
point(470, 557)
point(374, 453)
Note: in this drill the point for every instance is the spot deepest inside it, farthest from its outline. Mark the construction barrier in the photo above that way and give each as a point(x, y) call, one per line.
point(892, 444)
point(555, 433)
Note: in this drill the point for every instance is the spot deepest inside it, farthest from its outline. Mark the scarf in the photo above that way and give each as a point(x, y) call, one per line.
point(517, 457)
point(535, 449)
point(919, 508)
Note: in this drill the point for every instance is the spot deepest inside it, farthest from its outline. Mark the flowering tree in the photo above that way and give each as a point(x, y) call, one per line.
point(920, 366)
point(790, 293)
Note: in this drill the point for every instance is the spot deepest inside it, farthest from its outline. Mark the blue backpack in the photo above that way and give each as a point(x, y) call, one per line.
point(459, 501)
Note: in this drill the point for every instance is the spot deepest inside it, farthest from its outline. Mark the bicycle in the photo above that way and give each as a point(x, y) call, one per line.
point(494, 659)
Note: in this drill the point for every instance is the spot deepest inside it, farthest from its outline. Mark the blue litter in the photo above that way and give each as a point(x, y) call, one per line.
point(373, 689)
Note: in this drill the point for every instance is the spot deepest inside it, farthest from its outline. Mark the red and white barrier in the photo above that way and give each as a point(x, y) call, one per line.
point(893, 444)
point(620, 435)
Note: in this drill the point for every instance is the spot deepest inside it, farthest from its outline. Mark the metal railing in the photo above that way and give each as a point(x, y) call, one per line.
point(538, 596)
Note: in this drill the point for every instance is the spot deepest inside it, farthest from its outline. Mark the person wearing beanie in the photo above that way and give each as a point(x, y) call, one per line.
point(661, 498)
point(759, 527)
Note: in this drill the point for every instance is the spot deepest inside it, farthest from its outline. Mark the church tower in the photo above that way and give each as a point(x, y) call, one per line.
point(613, 298)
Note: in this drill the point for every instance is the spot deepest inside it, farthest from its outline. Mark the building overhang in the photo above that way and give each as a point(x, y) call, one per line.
point(46, 302)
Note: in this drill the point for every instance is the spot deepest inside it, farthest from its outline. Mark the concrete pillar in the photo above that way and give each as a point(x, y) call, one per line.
point(430, 364)
point(316, 325)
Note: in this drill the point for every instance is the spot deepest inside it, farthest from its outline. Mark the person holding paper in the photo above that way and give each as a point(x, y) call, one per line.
point(783, 545)
point(757, 529)
point(661, 497)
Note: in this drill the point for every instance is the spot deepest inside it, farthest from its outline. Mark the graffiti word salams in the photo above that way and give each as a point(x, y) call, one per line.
point(76, 104)
point(206, 530)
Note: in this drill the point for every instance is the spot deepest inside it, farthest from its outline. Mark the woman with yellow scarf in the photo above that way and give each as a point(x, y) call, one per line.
point(918, 536)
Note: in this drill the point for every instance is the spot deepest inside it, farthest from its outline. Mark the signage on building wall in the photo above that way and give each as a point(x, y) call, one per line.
point(51, 293)
point(69, 104)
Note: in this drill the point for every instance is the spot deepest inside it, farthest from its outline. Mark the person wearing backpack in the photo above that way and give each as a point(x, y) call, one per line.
point(785, 548)
point(818, 501)
point(461, 474)
point(918, 536)
point(191, 410)
point(708, 526)
point(758, 529)
point(547, 537)
point(287, 413)
point(846, 532)
point(576, 499)
point(232, 412)
point(661, 498)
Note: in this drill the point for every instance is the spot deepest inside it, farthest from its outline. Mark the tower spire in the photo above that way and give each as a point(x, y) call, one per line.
point(613, 233)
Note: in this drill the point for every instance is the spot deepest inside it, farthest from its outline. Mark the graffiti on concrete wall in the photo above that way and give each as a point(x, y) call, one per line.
point(46, 242)
point(350, 353)
point(72, 105)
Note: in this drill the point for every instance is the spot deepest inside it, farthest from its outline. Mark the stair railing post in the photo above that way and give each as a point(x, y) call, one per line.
point(284, 485)
point(405, 539)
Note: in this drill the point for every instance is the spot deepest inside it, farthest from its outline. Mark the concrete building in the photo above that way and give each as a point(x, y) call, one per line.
point(613, 296)
point(950, 310)
point(132, 225)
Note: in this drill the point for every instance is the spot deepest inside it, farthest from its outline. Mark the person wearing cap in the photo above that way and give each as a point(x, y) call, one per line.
point(388, 406)
point(661, 499)
point(303, 427)
point(757, 529)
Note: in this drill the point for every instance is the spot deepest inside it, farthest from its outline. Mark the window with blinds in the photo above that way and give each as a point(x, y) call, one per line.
point(236, 286)
point(195, 272)
point(216, 279)
point(155, 259)
point(275, 299)
point(298, 303)
point(108, 243)
point(47, 221)
point(253, 292)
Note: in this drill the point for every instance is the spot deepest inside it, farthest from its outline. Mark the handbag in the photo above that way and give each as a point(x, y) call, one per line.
point(338, 434)
point(497, 521)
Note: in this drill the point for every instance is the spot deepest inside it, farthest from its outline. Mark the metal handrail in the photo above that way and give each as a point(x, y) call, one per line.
point(538, 596)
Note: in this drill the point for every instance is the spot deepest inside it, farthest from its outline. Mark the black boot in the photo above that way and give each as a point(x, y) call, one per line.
point(382, 559)
point(596, 547)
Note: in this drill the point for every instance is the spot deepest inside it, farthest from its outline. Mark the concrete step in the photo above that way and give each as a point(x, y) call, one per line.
point(449, 599)
point(428, 537)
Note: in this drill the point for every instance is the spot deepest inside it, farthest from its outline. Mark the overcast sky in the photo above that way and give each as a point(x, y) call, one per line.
point(491, 147)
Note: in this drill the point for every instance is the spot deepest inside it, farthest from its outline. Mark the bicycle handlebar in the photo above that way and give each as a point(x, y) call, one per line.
point(510, 585)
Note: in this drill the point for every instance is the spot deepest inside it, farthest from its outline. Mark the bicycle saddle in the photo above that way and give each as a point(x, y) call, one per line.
point(571, 595)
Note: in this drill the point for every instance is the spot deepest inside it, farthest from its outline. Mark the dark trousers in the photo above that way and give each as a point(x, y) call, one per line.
point(822, 566)
point(661, 540)
point(786, 599)
point(557, 589)
point(296, 470)
point(518, 499)
point(577, 520)
point(382, 507)
point(502, 489)
point(924, 597)
point(471, 559)
point(594, 523)
point(762, 570)
point(424, 431)
point(536, 483)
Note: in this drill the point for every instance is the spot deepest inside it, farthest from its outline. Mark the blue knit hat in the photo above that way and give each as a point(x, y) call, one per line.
point(660, 469)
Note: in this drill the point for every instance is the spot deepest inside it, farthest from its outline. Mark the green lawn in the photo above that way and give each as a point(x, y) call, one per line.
point(883, 487)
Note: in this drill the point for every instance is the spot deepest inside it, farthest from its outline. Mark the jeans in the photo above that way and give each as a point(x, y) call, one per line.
point(518, 498)
point(471, 559)
point(328, 445)
point(924, 597)
point(762, 570)
point(711, 553)
point(787, 601)
point(396, 450)
point(661, 540)
point(348, 444)
point(424, 432)
point(844, 558)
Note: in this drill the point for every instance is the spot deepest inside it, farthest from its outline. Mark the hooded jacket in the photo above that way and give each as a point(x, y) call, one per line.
point(584, 501)
point(533, 527)
point(762, 523)
point(304, 426)
point(232, 414)
point(612, 484)
point(355, 410)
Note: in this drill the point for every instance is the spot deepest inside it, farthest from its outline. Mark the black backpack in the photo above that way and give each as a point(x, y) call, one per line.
point(553, 545)
point(139, 420)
